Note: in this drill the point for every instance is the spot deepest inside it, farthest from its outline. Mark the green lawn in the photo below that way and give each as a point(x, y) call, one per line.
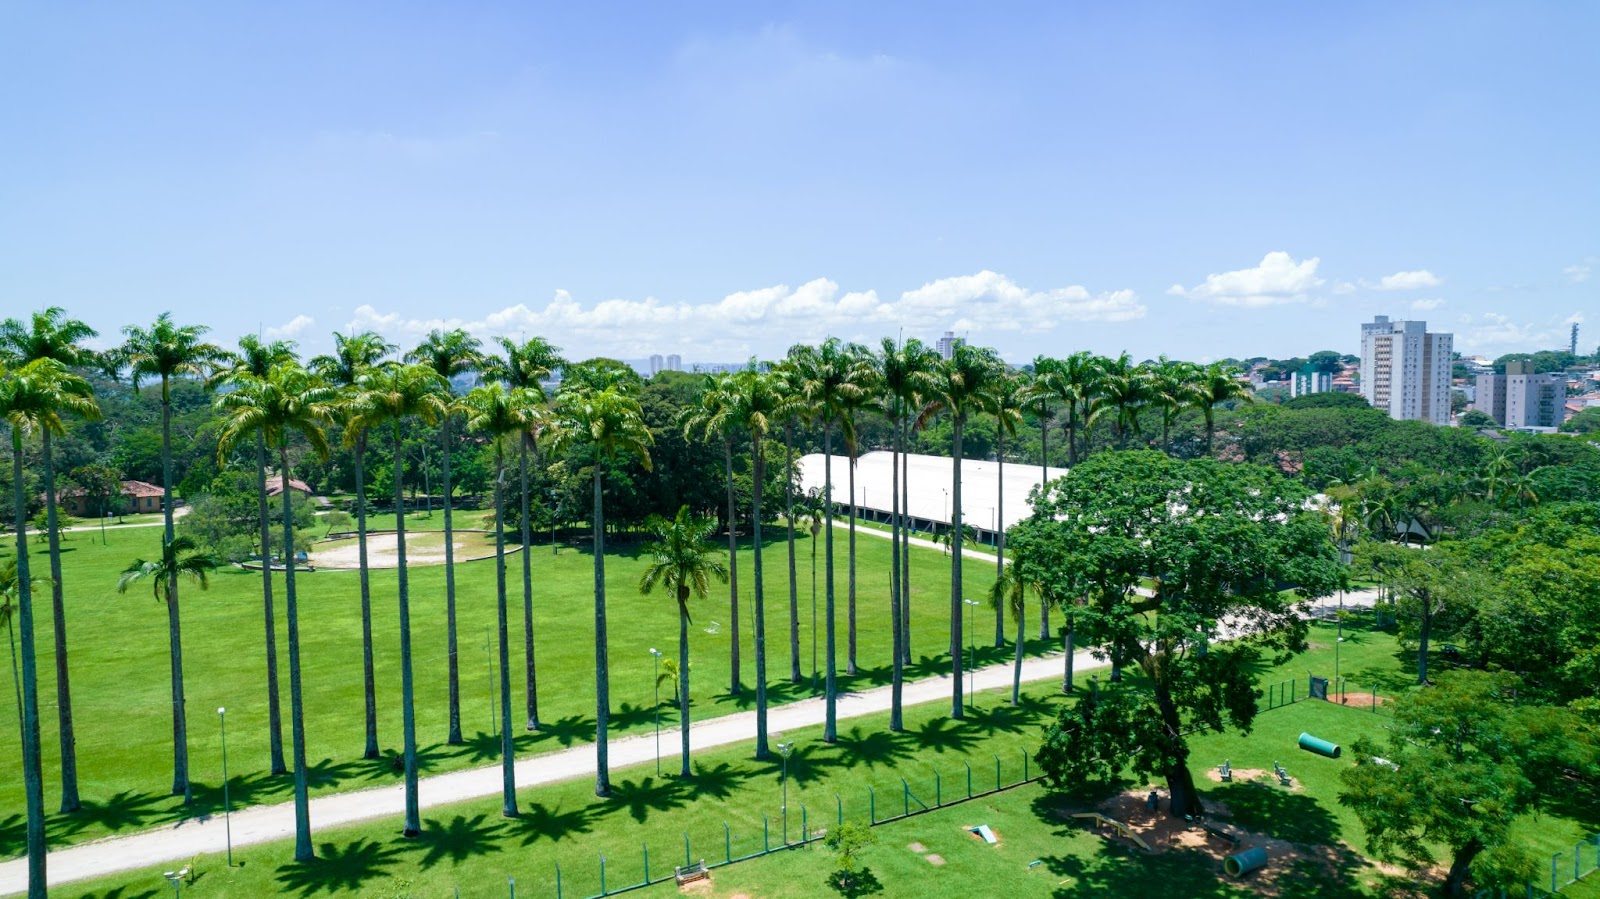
point(121, 697)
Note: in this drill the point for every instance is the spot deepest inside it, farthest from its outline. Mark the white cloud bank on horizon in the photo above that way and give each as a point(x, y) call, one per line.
point(1277, 280)
point(732, 327)
point(1498, 333)
point(291, 328)
point(1407, 281)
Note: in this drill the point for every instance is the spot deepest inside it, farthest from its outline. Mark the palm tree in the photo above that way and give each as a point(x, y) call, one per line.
point(8, 615)
point(759, 405)
point(716, 415)
point(786, 385)
point(392, 395)
point(1215, 385)
point(449, 354)
point(166, 350)
point(1075, 382)
point(921, 380)
point(1010, 593)
point(254, 362)
point(32, 398)
point(1039, 396)
point(967, 383)
point(1174, 386)
point(1124, 391)
point(524, 368)
point(809, 513)
point(353, 357)
point(610, 421)
point(501, 414)
point(830, 378)
point(290, 400)
point(1010, 395)
point(866, 375)
point(181, 557)
point(682, 563)
point(50, 336)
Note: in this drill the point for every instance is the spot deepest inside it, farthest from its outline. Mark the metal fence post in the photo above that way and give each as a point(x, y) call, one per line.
point(1291, 692)
point(872, 805)
point(646, 849)
point(727, 842)
point(997, 771)
point(766, 843)
point(558, 880)
point(839, 801)
point(1553, 860)
point(1271, 689)
point(686, 856)
point(512, 883)
point(938, 791)
point(905, 796)
point(969, 777)
point(602, 873)
point(1024, 765)
point(805, 829)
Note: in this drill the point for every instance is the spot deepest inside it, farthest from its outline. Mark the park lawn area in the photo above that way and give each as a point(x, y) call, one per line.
point(121, 692)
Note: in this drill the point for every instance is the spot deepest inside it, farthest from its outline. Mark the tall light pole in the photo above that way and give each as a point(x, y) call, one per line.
point(227, 805)
point(1344, 558)
point(656, 654)
point(971, 668)
point(784, 749)
point(552, 522)
point(946, 492)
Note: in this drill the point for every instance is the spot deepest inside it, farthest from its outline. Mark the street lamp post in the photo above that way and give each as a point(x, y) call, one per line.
point(946, 492)
point(784, 749)
point(971, 667)
point(227, 805)
point(656, 654)
point(552, 522)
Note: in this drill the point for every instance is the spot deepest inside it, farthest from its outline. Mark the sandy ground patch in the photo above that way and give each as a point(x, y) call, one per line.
point(422, 548)
point(934, 859)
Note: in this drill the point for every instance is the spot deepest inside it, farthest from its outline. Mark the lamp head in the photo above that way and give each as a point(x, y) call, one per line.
point(221, 710)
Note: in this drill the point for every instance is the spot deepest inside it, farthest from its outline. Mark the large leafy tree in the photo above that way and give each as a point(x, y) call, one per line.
point(448, 354)
point(1468, 759)
point(166, 351)
point(290, 400)
point(394, 395)
point(716, 417)
point(606, 420)
point(251, 364)
point(830, 379)
point(1219, 541)
point(525, 366)
point(683, 564)
point(354, 356)
point(965, 386)
point(502, 414)
point(49, 334)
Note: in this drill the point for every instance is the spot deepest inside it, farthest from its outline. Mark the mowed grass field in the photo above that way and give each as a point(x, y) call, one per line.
point(121, 689)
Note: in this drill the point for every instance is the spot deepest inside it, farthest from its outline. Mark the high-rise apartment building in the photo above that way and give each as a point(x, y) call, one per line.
point(1405, 369)
point(948, 343)
point(657, 364)
point(1308, 380)
point(1522, 399)
point(674, 362)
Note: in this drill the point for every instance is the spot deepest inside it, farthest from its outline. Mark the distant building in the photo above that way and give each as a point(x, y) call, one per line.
point(1405, 369)
point(1308, 380)
point(948, 343)
point(1522, 399)
point(657, 364)
point(137, 496)
point(674, 362)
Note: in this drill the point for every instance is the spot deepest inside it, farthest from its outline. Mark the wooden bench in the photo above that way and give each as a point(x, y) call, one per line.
point(1226, 832)
point(1226, 771)
point(1283, 775)
point(691, 873)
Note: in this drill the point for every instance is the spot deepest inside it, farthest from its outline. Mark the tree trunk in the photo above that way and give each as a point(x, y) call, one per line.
point(32, 769)
point(733, 570)
point(454, 737)
point(1424, 634)
point(905, 544)
point(897, 628)
point(1455, 883)
point(508, 776)
point(1180, 780)
point(1016, 666)
point(999, 538)
point(1072, 434)
point(1066, 640)
point(759, 471)
point(850, 603)
point(602, 677)
point(683, 679)
point(69, 753)
point(830, 727)
point(180, 724)
point(794, 582)
point(297, 718)
point(527, 591)
point(957, 710)
point(274, 712)
point(369, 677)
point(408, 711)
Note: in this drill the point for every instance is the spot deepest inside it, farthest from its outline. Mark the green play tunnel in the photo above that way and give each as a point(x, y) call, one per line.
point(1319, 746)
point(1242, 863)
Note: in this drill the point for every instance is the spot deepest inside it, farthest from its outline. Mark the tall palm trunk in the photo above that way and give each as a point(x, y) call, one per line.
point(850, 610)
point(957, 711)
point(1044, 478)
point(683, 677)
point(369, 679)
point(32, 770)
point(16, 675)
point(1016, 664)
point(274, 709)
point(794, 581)
point(297, 718)
point(1066, 640)
point(896, 534)
point(759, 471)
point(508, 777)
point(602, 658)
point(69, 752)
point(527, 592)
point(733, 567)
point(180, 727)
point(454, 738)
point(1071, 428)
point(830, 726)
point(408, 711)
point(905, 543)
point(1000, 538)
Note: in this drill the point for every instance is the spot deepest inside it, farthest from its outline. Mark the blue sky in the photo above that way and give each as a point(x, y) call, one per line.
point(720, 180)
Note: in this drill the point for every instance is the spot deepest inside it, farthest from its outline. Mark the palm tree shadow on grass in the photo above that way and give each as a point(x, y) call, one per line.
point(878, 748)
point(338, 869)
point(718, 781)
point(629, 715)
point(939, 735)
point(809, 763)
point(566, 731)
point(458, 840)
point(1012, 719)
point(640, 797)
point(122, 893)
point(539, 821)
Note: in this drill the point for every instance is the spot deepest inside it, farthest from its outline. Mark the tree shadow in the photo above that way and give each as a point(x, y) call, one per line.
point(122, 893)
point(861, 883)
point(566, 731)
point(457, 841)
point(1114, 869)
point(539, 821)
point(810, 762)
point(641, 797)
point(337, 869)
point(719, 781)
point(1009, 719)
point(630, 715)
point(941, 735)
point(1288, 816)
point(880, 747)
point(481, 747)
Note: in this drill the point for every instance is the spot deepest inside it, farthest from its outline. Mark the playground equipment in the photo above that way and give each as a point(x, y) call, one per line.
point(1121, 829)
point(1226, 771)
point(1319, 746)
point(1283, 774)
point(1242, 863)
point(983, 830)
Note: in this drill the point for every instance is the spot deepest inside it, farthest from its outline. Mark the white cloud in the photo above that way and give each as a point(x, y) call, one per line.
point(743, 322)
point(1407, 280)
point(1493, 333)
point(1278, 279)
point(1579, 273)
point(291, 328)
point(1427, 305)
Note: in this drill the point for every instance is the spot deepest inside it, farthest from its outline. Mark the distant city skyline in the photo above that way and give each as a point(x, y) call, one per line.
point(1195, 181)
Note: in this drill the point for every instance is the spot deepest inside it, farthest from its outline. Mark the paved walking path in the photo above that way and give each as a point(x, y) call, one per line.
point(186, 839)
